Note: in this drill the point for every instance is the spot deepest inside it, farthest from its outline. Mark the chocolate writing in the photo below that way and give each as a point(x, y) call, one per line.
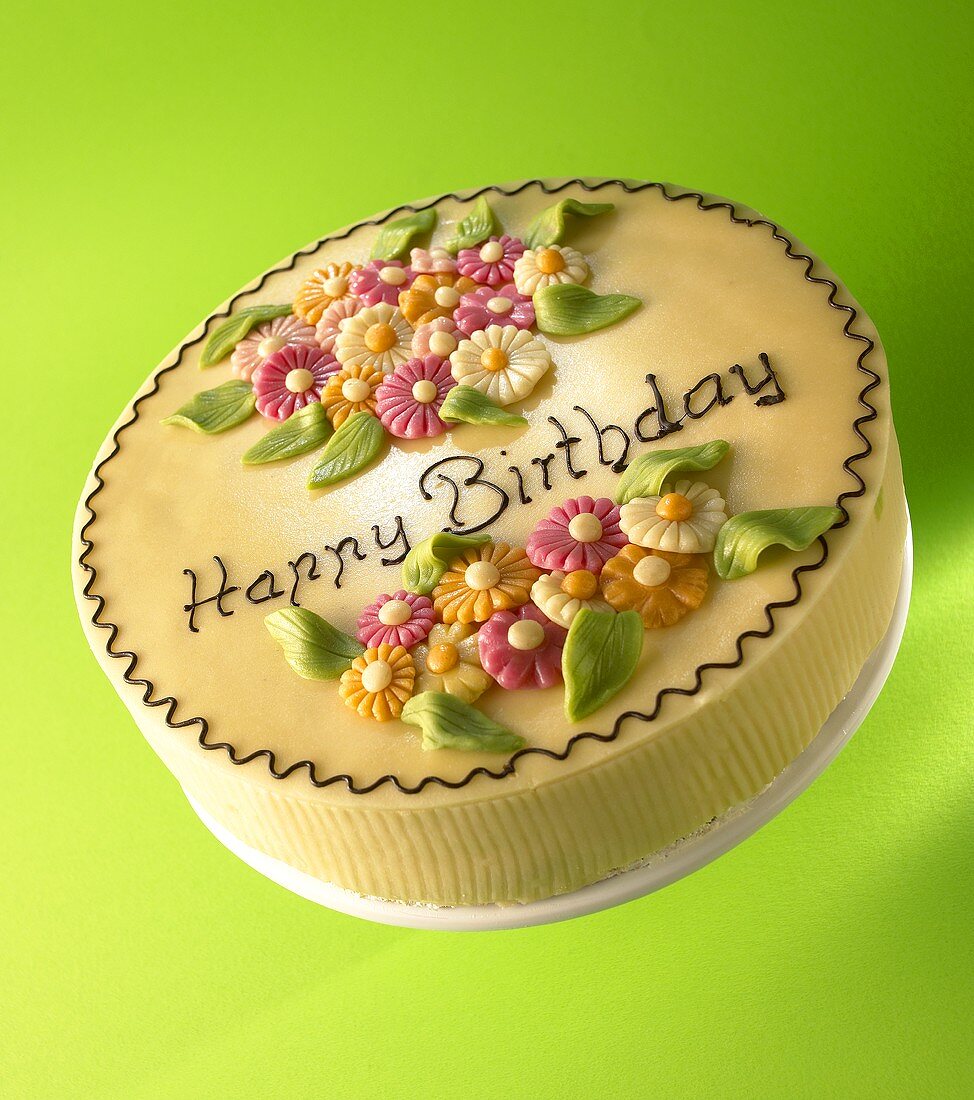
point(474, 497)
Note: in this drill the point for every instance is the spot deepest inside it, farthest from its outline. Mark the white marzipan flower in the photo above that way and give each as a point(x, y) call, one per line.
point(378, 336)
point(562, 595)
point(505, 363)
point(449, 661)
point(683, 520)
point(540, 267)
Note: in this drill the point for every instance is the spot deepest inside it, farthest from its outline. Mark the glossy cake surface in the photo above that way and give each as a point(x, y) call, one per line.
point(724, 342)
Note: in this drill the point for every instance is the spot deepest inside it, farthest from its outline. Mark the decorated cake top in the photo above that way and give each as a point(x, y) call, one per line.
point(459, 487)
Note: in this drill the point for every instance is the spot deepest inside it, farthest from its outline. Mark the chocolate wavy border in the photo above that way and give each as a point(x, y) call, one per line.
point(170, 703)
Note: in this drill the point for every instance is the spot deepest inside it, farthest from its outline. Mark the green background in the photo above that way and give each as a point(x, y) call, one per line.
point(153, 158)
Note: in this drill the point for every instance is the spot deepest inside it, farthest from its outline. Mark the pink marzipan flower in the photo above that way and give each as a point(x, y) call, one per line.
point(516, 667)
point(292, 378)
point(265, 340)
point(426, 333)
point(434, 261)
point(328, 328)
point(491, 263)
point(380, 281)
point(489, 305)
point(408, 401)
point(580, 534)
point(400, 619)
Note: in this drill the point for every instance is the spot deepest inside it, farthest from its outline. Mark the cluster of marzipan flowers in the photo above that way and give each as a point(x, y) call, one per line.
point(394, 337)
point(649, 556)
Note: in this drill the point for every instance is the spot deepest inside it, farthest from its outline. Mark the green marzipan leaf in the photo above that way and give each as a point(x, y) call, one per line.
point(744, 537)
point(216, 410)
point(303, 431)
point(477, 226)
point(464, 403)
point(428, 561)
point(224, 338)
point(312, 646)
point(349, 450)
point(549, 226)
point(600, 655)
point(449, 723)
point(395, 238)
point(566, 309)
point(644, 476)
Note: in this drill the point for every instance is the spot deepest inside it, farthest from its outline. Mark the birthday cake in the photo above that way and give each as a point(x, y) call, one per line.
point(482, 549)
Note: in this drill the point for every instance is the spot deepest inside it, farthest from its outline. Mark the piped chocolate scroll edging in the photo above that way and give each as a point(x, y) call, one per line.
point(170, 703)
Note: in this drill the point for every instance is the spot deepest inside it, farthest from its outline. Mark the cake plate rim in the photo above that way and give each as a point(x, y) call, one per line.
point(647, 876)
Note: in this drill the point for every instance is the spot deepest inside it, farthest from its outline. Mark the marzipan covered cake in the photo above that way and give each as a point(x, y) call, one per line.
point(490, 545)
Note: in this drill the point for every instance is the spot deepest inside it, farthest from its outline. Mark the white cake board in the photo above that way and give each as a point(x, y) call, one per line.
point(681, 858)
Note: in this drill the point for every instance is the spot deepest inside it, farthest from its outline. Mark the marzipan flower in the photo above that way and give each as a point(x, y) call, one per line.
point(377, 337)
point(491, 263)
point(434, 261)
point(488, 306)
point(522, 649)
point(408, 400)
point(503, 363)
point(579, 534)
point(683, 520)
point(662, 587)
point(449, 661)
point(543, 266)
point(350, 390)
point(482, 580)
point(437, 337)
point(432, 296)
point(267, 339)
point(380, 281)
point(562, 595)
point(328, 328)
point(291, 378)
point(328, 284)
point(400, 619)
point(379, 683)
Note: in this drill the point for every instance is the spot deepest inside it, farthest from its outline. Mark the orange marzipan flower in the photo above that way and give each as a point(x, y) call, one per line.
point(489, 578)
point(418, 304)
point(338, 407)
point(326, 285)
point(681, 584)
point(379, 683)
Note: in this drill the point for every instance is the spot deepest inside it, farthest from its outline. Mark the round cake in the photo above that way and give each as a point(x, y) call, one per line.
point(486, 547)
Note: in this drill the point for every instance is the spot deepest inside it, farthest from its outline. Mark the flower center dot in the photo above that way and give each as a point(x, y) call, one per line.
point(355, 390)
point(269, 346)
point(651, 571)
point(550, 261)
point(481, 575)
point(425, 391)
point(526, 634)
point(446, 297)
point(500, 304)
point(299, 381)
point(674, 507)
point(336, 287)
point(394, 276)
point(441, 658)
point(442, 344)
point(379, 337)
point(493, 359)
point(395, 613)
point(377, 676)
point(491, 252)
point(585, 527)
point(581, 584)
